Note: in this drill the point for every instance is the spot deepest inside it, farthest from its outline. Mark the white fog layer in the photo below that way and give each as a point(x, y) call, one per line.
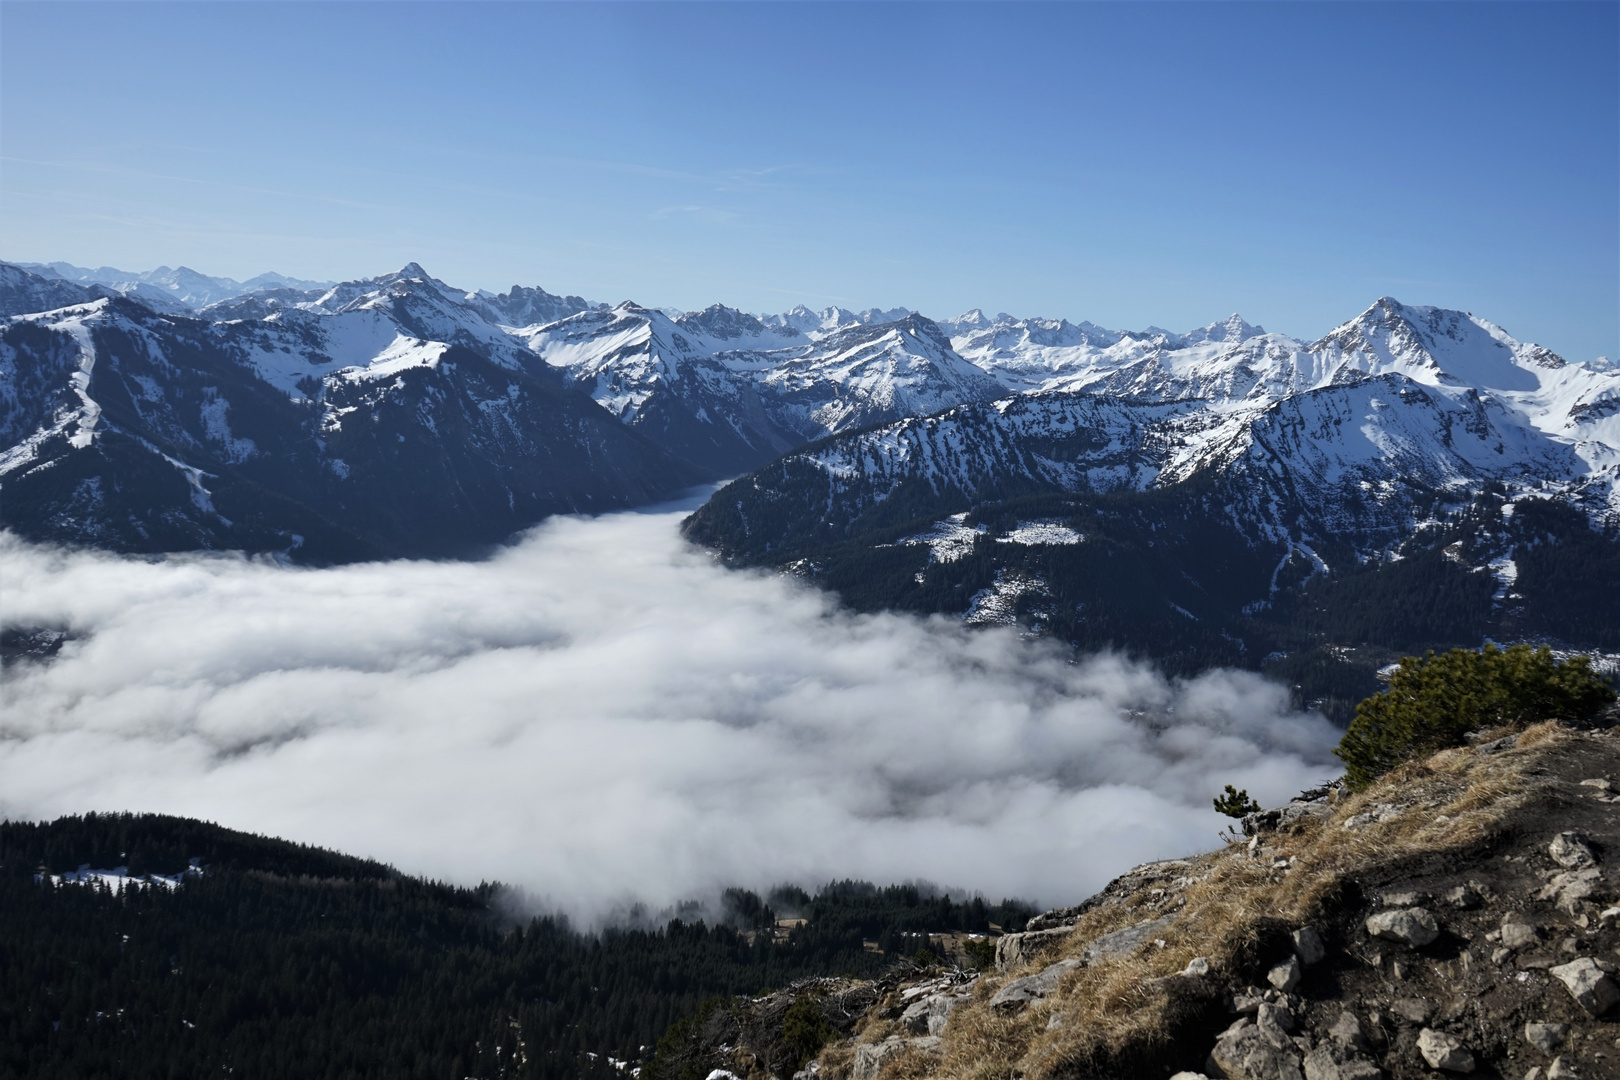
point(601, 713)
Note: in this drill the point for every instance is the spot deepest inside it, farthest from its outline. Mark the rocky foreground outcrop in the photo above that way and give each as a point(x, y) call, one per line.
point(1458, 918)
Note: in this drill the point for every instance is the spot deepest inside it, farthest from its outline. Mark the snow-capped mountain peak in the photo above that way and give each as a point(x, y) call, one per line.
point(1230, 330)
point(1437, 346)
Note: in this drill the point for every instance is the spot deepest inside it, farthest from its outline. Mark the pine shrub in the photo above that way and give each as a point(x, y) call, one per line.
point(1433, 701)
point(1236, 804)
point(805, 1031)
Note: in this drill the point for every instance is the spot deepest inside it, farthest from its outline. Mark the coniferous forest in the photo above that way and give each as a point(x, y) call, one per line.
point(272, 959)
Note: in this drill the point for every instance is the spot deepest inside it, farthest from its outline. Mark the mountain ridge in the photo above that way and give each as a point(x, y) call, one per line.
point(1229, 474)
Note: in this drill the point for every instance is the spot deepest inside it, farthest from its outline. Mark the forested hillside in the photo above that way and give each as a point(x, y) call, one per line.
point(271, 959)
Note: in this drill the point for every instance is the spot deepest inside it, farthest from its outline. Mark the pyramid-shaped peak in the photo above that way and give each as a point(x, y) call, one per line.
point(720, 321)
point(1230, 331)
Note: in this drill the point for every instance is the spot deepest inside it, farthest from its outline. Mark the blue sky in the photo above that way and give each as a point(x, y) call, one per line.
point(1128, 164)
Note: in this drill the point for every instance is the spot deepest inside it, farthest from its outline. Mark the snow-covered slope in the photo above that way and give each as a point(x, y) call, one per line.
point(1233, 362)
point(338, 436)
point(1355, 435)
point(871, 372)
point(22, 292)
point(730, 391)
point(1363, 461)
point(831, 319)
point(168, 286)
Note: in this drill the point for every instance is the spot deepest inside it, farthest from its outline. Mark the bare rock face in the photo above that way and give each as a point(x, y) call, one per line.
point(871, 1057)
point(1126, 941)
point(1021, 992)
point(1443, 1051)
point(1406, 926)
point(1012, 950)
point(928, 1015)
point(1588, 984)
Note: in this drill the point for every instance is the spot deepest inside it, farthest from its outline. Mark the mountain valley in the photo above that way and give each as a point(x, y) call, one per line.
point(1416, 477)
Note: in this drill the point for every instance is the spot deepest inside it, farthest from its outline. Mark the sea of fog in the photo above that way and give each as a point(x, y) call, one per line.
point(601, 714)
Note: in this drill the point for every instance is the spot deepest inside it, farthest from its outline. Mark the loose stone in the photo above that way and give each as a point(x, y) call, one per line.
point(1591, 988)
point(1407, 926)
point(1443, 1051)
point(1285, 976)
point(1308, 945)
point(1545, 1037)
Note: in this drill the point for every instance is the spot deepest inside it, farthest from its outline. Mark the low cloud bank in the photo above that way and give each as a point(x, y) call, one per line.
point(601, 714)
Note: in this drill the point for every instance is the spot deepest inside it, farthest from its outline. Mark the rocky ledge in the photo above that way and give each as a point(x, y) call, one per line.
point(1457, 918)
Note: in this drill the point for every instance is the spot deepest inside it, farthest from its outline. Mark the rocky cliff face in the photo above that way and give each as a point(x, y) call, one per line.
point(1457, 918)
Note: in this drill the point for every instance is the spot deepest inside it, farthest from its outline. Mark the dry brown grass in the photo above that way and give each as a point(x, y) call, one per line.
point(1451, 801)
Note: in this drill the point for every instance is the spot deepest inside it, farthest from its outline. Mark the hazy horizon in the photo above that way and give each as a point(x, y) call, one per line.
point(1160, 164)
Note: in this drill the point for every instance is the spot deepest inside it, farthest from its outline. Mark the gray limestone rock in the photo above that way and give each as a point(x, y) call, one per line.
point(1346, 1031)
point(1126, 941)
point(1407, 926)
point(1271, 1017)
point(1519, 934)
point(1013, 950)
point(1308, 946)
point(1245, 1051)
point(1569, 889)
point(1021, 992)
point(1546, 1037)
point(1443, 1051)
point(915, 1018)
point(1285, 976)
point(1571, 851)
point(871, 1057)
point(1562, 1070)
point(1412, 1010)
point(1247, 1001)
point(1591, 988)
point(1331, 1061)
point(940, 1007)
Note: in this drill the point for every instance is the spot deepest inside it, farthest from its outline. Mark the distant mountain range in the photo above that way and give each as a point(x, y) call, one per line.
point(1186, 494)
